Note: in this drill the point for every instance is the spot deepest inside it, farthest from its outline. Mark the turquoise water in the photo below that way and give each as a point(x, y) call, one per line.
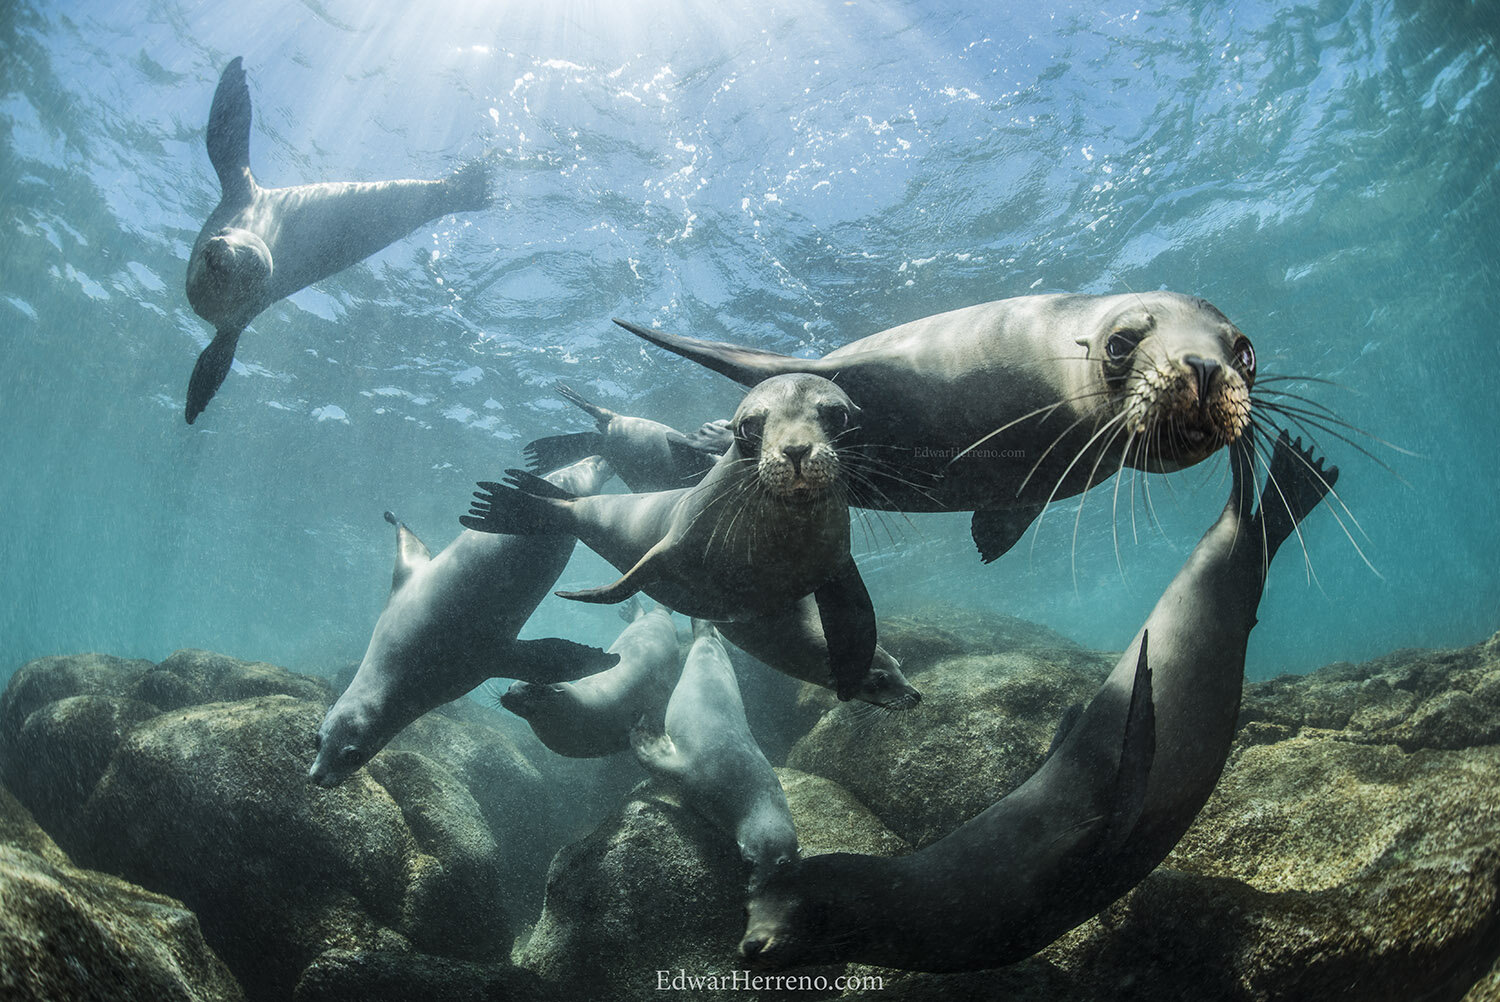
point(793, 177)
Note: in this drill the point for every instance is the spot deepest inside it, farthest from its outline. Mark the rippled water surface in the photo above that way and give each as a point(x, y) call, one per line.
point(793, 177)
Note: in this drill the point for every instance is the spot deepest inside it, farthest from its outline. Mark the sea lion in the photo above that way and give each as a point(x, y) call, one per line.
point(1003, 407)
point(766, 527)
point(1126, 777)
point(260, 245)
point(792, 642)
point(592, 717)
point(450, 623)
point(709, 755)
point(647, 455)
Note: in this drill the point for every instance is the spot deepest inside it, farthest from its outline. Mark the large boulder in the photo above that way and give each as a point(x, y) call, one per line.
point(931, 634)
point(72, 934)
point(352, 976)
point(984, 724)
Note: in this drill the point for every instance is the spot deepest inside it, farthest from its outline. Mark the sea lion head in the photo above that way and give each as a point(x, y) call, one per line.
point(527, 699)
point(791, 918)
point(229, 277)
point(884, 685)
point(343, 742)
point(1177, 372)
point(789, 426)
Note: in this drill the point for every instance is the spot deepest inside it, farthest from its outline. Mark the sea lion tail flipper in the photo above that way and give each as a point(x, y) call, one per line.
point(411, 552)
point(229, 133)
point(1137, 752)
point(209, 372)
point(601, 415)
point(747, 366)
point(471, 187)
point(631, 582)
point(502, 509)
point(1296, 483)
point(556, 451)
point(849, 626)
point(996, 530)
point(553, 659)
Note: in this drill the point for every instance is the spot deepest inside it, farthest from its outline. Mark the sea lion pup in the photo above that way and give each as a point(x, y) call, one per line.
point(792, 643)
point(1003, 407)
point(708, 754)
point(450, 623)
point(263, 244)
point(647, 455)
point(592, 717)
point(1125, 778)
point(768, 526)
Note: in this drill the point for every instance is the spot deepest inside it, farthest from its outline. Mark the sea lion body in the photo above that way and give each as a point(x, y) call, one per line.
point(707, 752)
point(260, 245)
point(592, 717)
point(792, 642)
point(450, 623)
point(765, 528)
point(1100, 813)
point(1001, 407)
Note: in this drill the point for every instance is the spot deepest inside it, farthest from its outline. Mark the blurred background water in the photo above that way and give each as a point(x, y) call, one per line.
point(792, 177)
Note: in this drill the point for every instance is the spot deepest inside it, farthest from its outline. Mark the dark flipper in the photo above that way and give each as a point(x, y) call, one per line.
point(744, 365)
point(601, 415)
point(411, 552)
point(1137, 752)
point(849, 626)
point(712, 436)
point(503, 509)
point(633, 580)
point(543, 662)
point(996, 530)
point(1297, 481)
point(471, 187)
point(537, 487)
point(229, 135)
point(208, 374)
point(1064, 726)
point(556, 451)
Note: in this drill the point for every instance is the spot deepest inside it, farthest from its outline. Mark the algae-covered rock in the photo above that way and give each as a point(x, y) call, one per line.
point(829, 819)
point(936, 633)
point(350, 976)
point(983, 726)
point(74, 935)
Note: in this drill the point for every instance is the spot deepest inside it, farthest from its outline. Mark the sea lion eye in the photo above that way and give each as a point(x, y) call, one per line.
point(1244, 354)
point(1120, 345)
point(835, 416)
point(349, 754)
point(752, 427)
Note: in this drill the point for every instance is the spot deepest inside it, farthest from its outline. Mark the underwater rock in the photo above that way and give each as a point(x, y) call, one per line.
point(936, 633)
point(983, 726)
point(350, 976)
point(72, 934)
point(658, 888)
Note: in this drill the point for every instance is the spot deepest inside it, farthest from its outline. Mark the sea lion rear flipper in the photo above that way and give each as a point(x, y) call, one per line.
point(849, 626)
point(512, 512)
point(601, 415)
point(632, 609)
point(1295, 483)
point(556, 451)
point(747, 366)
point(411, 552)
point(996, 530)
point(631, 582)
point(553, 660)
point(229, 134)
point(209, 372)
point(656, 752)
point(1137, 752)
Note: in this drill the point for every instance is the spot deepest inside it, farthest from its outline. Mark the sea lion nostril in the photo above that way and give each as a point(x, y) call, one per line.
point(796, 454)
point(1204, 369)
point(752, 947)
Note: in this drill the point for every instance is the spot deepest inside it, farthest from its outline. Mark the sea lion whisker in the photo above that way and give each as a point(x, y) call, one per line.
point(1334, 511)
point(1107, 425)
point(1302, 419)
point(1089, 482)
point(1046, 412)
point(1313, 409)
point(1040, 459)
point(1313, 440)
point(1272, 482)
point(1114, 505)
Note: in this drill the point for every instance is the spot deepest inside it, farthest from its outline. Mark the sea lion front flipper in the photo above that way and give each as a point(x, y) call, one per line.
point(209, 372)
point(1137, 752)
point(996, 530)
point(656, 752)
point(849, 626)
point(411, 552)
point(747, 366)
point(229, 134)
point(553, 660)
point(1064, 725)
point(631, 582)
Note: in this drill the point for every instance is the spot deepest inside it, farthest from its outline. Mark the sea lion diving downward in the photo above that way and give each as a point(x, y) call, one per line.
point(768, 525)
point(260, 245)
point(1126, 777)
point(651, 456)
point(1003, 407)
point(450, 623)
point(707, 753)
point(592, 717)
